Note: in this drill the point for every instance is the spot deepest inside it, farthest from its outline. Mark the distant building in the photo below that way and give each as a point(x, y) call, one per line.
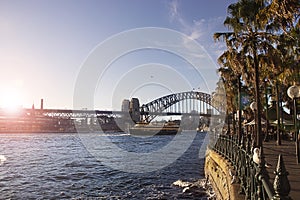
point(125, 105)
point(134, 109)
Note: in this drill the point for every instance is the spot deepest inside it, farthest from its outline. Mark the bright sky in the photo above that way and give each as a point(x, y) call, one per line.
point(44, 45)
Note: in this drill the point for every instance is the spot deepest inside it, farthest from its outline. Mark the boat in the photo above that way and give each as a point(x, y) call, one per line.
point(151, 129)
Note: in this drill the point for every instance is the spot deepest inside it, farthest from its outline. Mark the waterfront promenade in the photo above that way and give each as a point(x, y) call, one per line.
point(227, 156)
point(287, 150)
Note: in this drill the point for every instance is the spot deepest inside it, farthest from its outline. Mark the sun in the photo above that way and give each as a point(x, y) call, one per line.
point(10, 99)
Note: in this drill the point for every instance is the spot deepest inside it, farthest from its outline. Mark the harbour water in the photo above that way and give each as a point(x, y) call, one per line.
point(58, 166)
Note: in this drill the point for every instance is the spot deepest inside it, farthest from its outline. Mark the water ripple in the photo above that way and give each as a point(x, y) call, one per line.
point(57, 166)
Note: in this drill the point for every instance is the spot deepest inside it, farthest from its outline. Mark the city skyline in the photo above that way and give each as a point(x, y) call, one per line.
point(44, 46)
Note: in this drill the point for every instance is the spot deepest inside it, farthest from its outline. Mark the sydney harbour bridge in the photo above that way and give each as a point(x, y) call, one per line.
point(191, 103)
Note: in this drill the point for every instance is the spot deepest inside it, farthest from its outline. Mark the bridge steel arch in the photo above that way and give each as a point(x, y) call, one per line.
point(162, 103)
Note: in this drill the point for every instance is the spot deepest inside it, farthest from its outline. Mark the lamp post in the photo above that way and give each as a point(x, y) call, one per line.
point(253, 107)
point(294, 92)
point(267, 110)
point(278, 108)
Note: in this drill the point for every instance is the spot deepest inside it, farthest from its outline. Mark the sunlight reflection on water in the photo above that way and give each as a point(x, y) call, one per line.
point(2, 159)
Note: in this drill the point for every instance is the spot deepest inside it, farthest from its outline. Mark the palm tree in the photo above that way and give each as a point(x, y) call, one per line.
point(282, 19)
point(246, 41)
point(231, 61)
point(281, 16)
point(263, 41)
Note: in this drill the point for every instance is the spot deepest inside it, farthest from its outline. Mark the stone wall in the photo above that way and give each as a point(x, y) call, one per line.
point(217, 170)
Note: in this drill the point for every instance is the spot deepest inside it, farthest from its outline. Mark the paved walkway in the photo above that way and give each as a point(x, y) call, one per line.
point(287, 150)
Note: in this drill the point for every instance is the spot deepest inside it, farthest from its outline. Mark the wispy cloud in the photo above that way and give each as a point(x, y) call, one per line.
point(175, 14)
point(201, 30)
point(189, 28)
point(173, 9)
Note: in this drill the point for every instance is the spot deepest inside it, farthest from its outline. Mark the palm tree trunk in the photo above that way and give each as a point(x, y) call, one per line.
point(257, 99)
point(240, 109)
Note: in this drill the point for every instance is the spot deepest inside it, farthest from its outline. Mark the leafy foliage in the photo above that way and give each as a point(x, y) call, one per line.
point(263, 33)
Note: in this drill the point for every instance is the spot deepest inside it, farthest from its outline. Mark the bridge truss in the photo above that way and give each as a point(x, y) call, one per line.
point(200, 103)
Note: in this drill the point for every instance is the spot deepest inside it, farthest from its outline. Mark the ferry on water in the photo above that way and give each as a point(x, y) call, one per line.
point(151, 129)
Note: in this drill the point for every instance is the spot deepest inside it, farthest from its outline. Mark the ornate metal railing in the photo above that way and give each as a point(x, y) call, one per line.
point(253, 178)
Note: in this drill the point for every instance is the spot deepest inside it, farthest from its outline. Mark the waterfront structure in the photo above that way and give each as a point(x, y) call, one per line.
point(227, 158)
point(195, 106)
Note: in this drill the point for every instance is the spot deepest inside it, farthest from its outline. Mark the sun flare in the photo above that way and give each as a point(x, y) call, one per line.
point(10, 99)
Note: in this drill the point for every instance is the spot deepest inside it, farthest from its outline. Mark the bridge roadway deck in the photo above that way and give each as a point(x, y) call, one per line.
point(287, 150)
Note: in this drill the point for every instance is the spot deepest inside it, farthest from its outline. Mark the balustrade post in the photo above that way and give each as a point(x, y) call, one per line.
point(259, 175)
point(225, 146)
point(222, 145)
point(216, 140)
point(259, 189)
point(253, 182)
point(231, 150)
point(248, 146)
point(253, 145)
point(281, 183)
point(228, 147)
point(234, 153)
point(248, 171)
point(237, 148)
point(263, 182)
point(242, 171)
point(243, 142)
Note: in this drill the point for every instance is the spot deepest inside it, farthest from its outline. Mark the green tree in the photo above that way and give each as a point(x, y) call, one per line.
point(247, 43)
point(262, 44)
